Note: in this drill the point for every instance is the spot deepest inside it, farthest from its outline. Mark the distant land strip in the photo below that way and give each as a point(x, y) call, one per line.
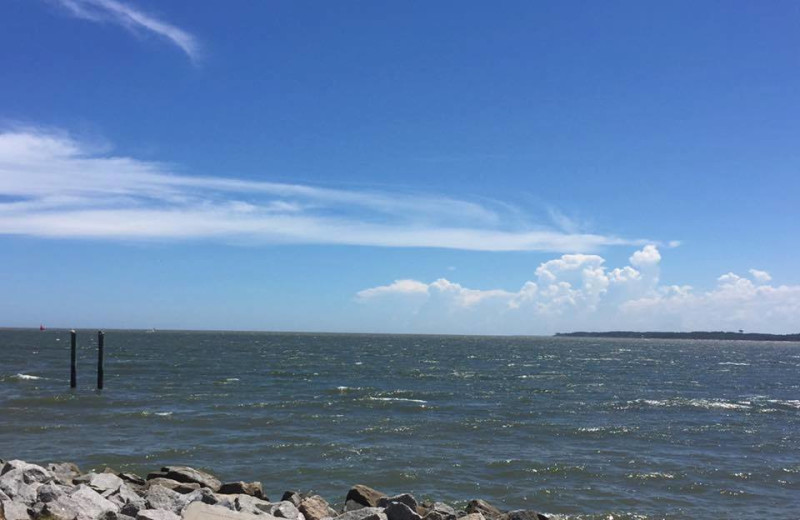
point(743, 336)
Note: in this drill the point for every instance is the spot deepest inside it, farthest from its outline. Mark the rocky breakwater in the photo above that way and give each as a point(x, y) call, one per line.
point(61, 491)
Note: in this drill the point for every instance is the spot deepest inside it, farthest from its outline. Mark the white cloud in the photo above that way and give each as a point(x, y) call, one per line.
point(577, 292)
point(648, 256)
point(54, 186)
point(120, 13)
point(760, 276)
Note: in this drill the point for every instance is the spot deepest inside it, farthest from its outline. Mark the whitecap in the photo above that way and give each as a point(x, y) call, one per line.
point(26, 377)
point(398, 399)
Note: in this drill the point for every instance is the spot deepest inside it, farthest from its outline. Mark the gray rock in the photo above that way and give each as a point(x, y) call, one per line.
point(19, 491)
point(103, 482)
point(364, 495)
point(365, 513)
point(292, 496)
point(111, 515)
point(250, 505)
point(174, 485)
point(49, 492)
point(29, 473)
point(440, 511)
point(187, 474)
point(524, 514)
point(13, 510)
point(132, 478)
point(128, 501)
point(285, 509)
point(405, 498)
point(400, 511)
point(253, 489)
point(473, 516)
point(159, 497)
point(201, 511)
point(83, 503)
point(484, 508)
point(64, 472)
point(205, 496)
point(156, 514)
point(352, 505)
point(316, 508)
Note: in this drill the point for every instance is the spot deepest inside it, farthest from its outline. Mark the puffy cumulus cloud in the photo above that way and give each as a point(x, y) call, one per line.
point(760, 276)
point(648, 256)
point(578, 292)
point(56, 187)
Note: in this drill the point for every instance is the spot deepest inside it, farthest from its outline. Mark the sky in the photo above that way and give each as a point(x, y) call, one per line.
point(419, 167)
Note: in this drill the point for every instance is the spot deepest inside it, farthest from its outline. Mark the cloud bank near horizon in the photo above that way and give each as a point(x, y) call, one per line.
point(578, 292)
point(134, 20)
point(56, 187)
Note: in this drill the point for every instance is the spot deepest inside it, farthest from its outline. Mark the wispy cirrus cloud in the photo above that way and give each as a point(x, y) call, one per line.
point(133, 19)
point(54, 186)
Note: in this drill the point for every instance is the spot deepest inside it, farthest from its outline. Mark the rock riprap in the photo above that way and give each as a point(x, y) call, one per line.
point(60, 491)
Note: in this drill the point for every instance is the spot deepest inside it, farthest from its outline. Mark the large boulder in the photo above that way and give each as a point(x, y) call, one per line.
point(159, 497)
point(473, 516)
point(484, 508)
point(251, 505)
point(156, 514)
point(132, 478)
point(20, 480)
point(253, 489)
point(364, 495)
point(365, 513)
point(83, 503)
point(292, 496)
point(174, 485)
point(128, 501)
point(316, 508)
point(64, 472)
point(187, 474)
point(405, 498)
point(524, 514)
point(28, 472)
point(440, 511)
point(201, 511)
point(206, 496)
point(400, 511)
point(285, 509)
point(10, 510)
point(105, 482)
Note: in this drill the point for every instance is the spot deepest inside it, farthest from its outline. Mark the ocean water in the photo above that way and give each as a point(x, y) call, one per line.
point(576, 427)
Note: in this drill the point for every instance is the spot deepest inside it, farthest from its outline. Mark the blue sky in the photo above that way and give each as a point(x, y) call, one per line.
point(461, 167)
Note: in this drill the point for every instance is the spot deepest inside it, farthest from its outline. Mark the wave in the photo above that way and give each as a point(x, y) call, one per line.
point(25, 377)
point(398, 399)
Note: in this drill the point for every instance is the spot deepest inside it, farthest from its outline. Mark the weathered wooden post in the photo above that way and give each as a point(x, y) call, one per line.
point(101, 337)
point(73, 371)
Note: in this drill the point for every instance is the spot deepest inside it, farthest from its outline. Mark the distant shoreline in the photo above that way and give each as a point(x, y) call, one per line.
point(734, 336)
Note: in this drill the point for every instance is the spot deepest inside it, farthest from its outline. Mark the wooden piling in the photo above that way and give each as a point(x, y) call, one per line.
point(101, 339)
point(73, 371)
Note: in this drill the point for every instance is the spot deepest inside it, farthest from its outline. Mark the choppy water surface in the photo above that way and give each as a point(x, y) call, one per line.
point(579, 427)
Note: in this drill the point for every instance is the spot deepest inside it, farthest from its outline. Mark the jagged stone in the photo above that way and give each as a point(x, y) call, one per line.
point(206, 496)
point(404, 498)
point(111, 515)
point(484, 508)
point(49, 492)
point(174, 485)
point(64, 472)
point(159, 497)
point(103, 482)
point(132, 478)
point(128, 501)
point(400, 511)
point(292, 496)
point(364, 495)
point(473, 516)
point(285, 509)
point(524, 514)
point(11, 510)
point(253, 489)
point(187, 474)
point(249, 504)
point(201, 511)
point(316, 508)
point(440, 511)
point(156, 514)
point(352, 505)
point(365, 513)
